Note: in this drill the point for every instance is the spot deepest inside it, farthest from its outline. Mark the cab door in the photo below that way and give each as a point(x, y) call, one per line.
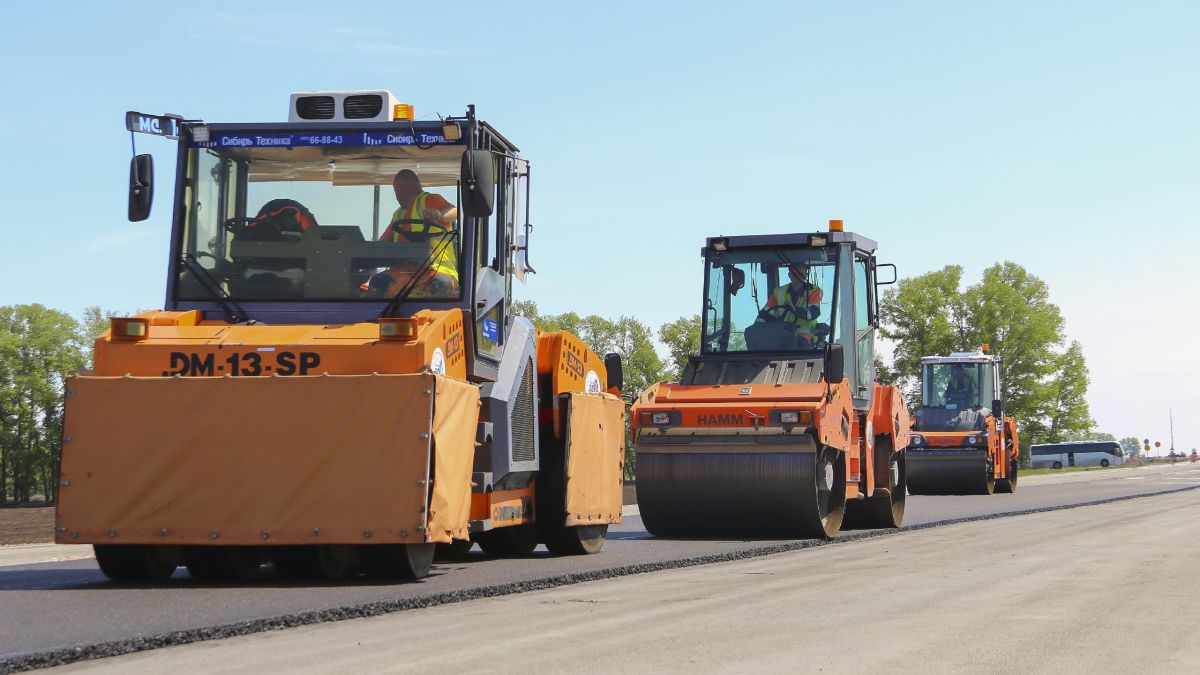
point(865, 319)
point(493, 260)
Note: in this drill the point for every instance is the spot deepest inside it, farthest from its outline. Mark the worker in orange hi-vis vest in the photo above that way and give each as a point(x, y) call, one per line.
point(421, 217)
point(798, 303)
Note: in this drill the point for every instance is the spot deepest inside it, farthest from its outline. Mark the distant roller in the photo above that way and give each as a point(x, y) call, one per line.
point(962, 444)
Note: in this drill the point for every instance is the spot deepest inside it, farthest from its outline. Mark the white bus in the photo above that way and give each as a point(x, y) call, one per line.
point(1075, 453)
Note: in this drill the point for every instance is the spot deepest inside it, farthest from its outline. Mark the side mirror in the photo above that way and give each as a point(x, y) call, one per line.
point(737, 280)
point(878, 282)
point(478, 183)
point(835, 363)
point(998, 410)
point(612, 364)
point(141, 187)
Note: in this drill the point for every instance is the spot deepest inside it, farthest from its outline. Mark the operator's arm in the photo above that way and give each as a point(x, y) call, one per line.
point(439, 210)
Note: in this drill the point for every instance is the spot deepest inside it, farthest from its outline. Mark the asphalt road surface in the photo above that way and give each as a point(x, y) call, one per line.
point(50, 608)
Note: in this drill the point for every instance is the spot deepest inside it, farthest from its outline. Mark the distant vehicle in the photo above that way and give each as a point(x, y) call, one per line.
point(1076, 453)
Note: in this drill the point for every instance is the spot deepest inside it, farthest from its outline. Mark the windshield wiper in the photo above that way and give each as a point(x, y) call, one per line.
point(402, 294)
point(233, 311)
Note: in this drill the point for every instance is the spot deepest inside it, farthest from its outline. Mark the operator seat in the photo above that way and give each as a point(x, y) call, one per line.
point(270, 276)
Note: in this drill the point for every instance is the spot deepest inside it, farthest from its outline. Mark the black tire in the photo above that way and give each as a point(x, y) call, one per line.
point(1104, 463)
point(223, 563)
point(397, 561)
point(578, 540)
point(1008, 485)
point(136, 562)
point(308, 563)
point(883, 510)
point(512, 541)
point(989, 480)
point(1056, 465)
point(455, 550)
point(822, 493)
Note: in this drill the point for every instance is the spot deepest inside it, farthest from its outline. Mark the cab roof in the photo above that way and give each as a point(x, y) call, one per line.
point(813, 239)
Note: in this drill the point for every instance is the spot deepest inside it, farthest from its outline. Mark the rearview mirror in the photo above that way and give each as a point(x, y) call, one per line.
point(478, 183)
point(998, 411)
point(835, 363)
point(612, 364)
point(141, 187)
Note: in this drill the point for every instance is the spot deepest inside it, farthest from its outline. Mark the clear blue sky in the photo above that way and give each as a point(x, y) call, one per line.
point(1062, 136)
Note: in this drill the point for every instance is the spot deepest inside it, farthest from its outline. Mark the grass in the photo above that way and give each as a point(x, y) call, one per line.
point(1074, 469)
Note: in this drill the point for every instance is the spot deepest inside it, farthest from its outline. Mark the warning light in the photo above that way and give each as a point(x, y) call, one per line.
point(402, 111)
point(129, 328)
point(836, 226)
point(986, 348)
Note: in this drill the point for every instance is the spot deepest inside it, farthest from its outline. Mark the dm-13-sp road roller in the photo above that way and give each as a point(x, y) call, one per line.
point(777, 429)
point(331, 389)
point(962, 441)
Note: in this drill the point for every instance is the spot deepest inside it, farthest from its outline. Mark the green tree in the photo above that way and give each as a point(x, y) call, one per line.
point(1131, 446)
point(94, 322)
point(39, 348)
point(1044, 380)
point(682, 338)
point(632, 339)
point(921, 315)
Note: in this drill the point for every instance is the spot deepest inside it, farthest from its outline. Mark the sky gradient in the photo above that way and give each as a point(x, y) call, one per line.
point(1061, 136)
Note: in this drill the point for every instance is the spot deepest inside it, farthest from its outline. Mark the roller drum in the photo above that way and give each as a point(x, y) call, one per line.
point(731, 494)
point(950, 472)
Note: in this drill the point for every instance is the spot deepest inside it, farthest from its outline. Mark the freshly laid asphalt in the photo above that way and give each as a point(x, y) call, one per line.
point(64, 611)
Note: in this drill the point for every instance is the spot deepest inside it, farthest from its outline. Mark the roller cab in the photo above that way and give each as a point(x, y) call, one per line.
point(962, 443)
point(777, 429)
point(337, 383)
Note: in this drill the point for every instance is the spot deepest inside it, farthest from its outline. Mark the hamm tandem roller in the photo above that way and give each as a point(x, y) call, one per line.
point(330, 389)
point(962, 442)
point(777, 428)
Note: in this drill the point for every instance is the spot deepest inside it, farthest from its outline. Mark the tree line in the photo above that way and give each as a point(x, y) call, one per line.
point(1044, 376)
point(39, 348)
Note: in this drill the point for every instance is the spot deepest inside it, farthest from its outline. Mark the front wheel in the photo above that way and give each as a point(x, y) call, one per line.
point(884, 510)
point(822, 494)
point(1008, 485)
point(577, 539)
point(397, 561)
point(135, 562)
point(1104, 463)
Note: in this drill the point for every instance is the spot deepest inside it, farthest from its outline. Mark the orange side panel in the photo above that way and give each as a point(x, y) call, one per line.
point(455, 419)
point(175, 345)
point(595, 459)
point(1010, 426)
point(504, 507)
point(262, 460)
point(836, 418)
point(570, 363)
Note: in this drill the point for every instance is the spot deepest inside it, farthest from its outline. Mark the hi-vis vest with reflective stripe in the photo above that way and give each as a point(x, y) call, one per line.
point(783, 297)
point(447, 261)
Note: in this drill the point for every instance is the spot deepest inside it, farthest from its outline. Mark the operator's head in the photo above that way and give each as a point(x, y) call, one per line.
point(407, 186)
point(798, 273)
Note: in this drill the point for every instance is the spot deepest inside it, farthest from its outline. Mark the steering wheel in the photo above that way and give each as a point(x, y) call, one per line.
point(432, 229)
point(230, 224)
point(778, 314)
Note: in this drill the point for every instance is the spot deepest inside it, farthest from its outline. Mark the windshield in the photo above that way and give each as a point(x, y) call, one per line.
point(311, 219)
point(776, 299)
point(956, 386)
